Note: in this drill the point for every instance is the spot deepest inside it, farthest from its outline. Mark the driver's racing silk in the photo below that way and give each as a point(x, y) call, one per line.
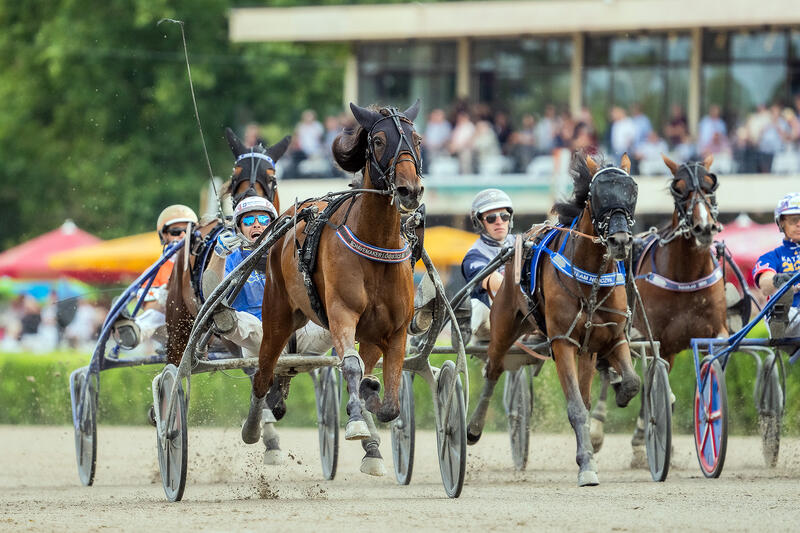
point(250, 298)
point(483, 251)
point(783, 259)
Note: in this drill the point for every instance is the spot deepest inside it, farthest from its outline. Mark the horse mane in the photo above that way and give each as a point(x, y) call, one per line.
point(350, 147)
point(571, 207)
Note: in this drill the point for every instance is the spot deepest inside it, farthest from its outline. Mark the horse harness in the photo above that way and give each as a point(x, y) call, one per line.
point(704, 193)
point(269, 186)
point(649, 246)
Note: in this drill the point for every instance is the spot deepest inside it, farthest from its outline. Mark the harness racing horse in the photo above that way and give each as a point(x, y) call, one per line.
point(576, 299)
point(347, 269)
point(679, 279)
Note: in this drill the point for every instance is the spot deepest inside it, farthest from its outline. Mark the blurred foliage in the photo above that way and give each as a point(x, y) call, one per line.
point(98, 123)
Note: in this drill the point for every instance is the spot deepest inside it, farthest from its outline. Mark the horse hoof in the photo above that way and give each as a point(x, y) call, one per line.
point(151, 416)
point(356, 430)
point(588, 478)
point(373, 466)
point(251, 433)
point(279, 410)
point(596, 434)
point(639, 458)
point(472, 438)
point(626, 390)
point(369, 386)
point(274, 457)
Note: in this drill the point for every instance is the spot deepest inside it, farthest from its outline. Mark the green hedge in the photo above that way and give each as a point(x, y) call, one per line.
point(34, 390)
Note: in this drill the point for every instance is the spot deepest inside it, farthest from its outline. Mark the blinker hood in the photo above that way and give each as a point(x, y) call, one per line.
point(613, 192)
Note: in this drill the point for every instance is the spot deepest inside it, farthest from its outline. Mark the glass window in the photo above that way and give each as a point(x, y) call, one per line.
point(765, 45)
point(644, 50)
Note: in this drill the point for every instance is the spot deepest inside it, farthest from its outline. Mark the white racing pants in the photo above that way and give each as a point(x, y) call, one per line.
point(311, 338)
point(793, 328)
point(152, 325)
point(480, 321)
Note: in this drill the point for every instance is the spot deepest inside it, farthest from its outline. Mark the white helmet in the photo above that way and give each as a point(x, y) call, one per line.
point(172, 215)
point(487, 200)
point(250, 204)
point(789, 205)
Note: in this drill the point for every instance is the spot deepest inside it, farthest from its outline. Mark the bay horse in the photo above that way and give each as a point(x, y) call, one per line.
point(679, 279)
point(577, 298)
point(360, 286)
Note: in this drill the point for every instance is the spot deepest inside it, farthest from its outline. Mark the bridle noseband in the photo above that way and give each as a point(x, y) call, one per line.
point(698, 192)
point(269, 186)
point(382, 172)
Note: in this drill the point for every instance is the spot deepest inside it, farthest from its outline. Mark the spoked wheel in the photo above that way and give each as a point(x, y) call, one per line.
point(327, 393)
point(769, 402)
point(518, 401)
point(711, 419)
point(173, 443)
point(403, 432)
point(84, 408)
point(658, 420)
point(451, 438)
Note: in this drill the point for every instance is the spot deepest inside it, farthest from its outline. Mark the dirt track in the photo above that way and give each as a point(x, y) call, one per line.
point(229, 489)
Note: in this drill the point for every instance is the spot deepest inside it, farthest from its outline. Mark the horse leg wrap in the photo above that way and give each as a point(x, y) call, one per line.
point(269, 436)
point(372, 463)
point(251, 429)
point(476, 423)
point(353, 371)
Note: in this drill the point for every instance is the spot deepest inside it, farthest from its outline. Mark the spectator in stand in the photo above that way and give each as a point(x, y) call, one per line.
point(437, 135)
point(756, 122)
point(546, 131)
point(484, 144)
point(308, 137)
point(522, 147)
point(583, 138)
point(623, 132)
point(502, 127)
point(565, 131)
point(460, 144)
point(711, 129)
point(793, 121)
point(333, 127)
point(773, 137)
point(642, 123)
point(676, 129)
point(648, 154)
point(252, 136)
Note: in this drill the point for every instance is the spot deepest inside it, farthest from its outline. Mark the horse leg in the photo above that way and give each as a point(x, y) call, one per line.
point(372, 463)
point(343, 329)
point(639, 457)
point(598, 417)
point(503, 336)
point(620, 359)
point(393, 358)
point(577, 413)
point(370, 387)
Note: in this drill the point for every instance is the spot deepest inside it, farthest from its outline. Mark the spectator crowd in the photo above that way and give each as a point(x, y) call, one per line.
point(476, 139)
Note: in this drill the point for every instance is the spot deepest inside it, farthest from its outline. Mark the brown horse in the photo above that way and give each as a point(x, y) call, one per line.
point(253, 174)
point(678, 278)
point(578, 300)
point(361, 287)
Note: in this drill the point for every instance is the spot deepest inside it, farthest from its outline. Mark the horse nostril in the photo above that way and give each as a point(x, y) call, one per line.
point(403, 191)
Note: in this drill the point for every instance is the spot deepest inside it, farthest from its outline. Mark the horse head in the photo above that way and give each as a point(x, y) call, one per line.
point(693, 189)
point(611, 202)
point(389, 153)
point(254, 170)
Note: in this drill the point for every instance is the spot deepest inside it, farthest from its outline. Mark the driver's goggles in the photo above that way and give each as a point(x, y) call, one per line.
point(251, 219)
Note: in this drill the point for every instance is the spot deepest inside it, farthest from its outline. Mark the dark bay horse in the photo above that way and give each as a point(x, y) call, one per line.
point(253, 175)
point(577, 298)
point(360, 286)
point(680, 282)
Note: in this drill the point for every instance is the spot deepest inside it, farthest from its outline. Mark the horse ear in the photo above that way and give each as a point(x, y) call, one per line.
point(708, 160)
point(411, 112)
point(591, 164)
point(672, 165)
point(233, 141)
point(277, 150)
point(366, 117)
point(625, 163)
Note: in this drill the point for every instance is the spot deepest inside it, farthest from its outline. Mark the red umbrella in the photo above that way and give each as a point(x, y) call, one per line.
point(747, 241)
point(29, 259)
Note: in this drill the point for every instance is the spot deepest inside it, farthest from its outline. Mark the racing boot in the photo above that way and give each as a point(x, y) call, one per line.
point(424, 301)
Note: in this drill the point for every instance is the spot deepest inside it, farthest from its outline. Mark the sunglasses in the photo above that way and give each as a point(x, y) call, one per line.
point(175, 232)
point(251, 219)
point(505, 217)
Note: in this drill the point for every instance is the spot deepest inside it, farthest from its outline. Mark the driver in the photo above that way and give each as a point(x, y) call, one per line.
point(171, 227)
point(776, 267)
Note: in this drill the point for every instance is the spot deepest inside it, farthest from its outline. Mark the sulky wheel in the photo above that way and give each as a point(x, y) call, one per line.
point(769, 402)
point(172, 442)
point(403, 432)
point(518, 401)
point(84, 410)
point(327, 393)
point(711, 419)
point(451, 437)
point(658, 420)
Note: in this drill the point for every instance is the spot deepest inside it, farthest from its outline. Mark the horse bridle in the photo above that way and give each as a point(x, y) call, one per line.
point(601, 214)
point(269, 186)
point(697, 193)
point(384, 170)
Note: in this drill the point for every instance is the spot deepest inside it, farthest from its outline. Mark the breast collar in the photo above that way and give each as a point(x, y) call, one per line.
point(654, 278)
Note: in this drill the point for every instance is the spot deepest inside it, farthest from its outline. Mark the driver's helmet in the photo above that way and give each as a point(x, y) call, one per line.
point(789, 205)
point(250, 204)
point(172, 215)
point(487, 200)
